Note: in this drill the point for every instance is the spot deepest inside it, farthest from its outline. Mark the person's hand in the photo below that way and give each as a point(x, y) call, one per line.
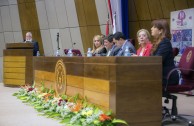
point(133, 54)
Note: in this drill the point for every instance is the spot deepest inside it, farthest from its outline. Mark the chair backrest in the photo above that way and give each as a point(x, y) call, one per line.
point(175, 51)
point(186, 65)
point(76, 52)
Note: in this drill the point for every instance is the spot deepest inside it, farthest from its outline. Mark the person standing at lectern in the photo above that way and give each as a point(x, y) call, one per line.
point(35, 43)
point(162, 47)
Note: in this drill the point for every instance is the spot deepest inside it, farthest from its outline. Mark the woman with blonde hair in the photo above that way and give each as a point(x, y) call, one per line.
point(143, 37)
point(98, 47)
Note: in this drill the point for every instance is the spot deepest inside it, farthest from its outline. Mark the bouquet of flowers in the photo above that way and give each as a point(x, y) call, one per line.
point(72, 111)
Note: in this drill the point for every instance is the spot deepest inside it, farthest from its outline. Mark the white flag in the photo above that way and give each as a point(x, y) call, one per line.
point(114, 30)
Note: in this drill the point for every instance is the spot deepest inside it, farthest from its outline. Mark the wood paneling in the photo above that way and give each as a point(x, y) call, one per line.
point(14, 75)
point(190, 3)
point(145, 25)
point(167, 7)
point(15, 82)
point(97, 98)
point(133, 28)
point(15, 58)
point(88, 21)
point(180, 4)
point(132, 11)
point(75, 81)
point(90, 12)
point(80, 13)
point(44, 75)
point(72, 91)
point(155, 9)
point(17, 64)
point(14, 64)
point(142, 9)
point(11, 70)
point(97, 85)
point(29, 20)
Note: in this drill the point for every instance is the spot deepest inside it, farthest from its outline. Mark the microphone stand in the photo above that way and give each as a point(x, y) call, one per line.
point(58, 41)
point(57, 53)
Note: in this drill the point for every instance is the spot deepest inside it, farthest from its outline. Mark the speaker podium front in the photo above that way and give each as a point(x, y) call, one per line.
point(18, 64)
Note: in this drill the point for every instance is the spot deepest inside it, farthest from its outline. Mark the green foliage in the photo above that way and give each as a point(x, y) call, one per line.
point(71, 111)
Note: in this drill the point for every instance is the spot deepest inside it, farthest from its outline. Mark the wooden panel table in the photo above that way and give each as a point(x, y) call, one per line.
point(130, 87)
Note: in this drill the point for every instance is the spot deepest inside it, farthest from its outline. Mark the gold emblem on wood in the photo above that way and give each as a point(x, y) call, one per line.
point(60, 77)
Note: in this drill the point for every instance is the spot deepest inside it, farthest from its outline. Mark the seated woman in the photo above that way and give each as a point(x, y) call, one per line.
point(143, 37)
point(162, 47)
point(98, 47)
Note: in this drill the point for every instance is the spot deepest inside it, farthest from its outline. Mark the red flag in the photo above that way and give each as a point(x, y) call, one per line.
point(107, 27)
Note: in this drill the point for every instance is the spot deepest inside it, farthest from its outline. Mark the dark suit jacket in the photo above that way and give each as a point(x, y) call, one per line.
point(114, 51)
point(101, 52)
point(129, 45)
point(165, 50)
point(36, 48)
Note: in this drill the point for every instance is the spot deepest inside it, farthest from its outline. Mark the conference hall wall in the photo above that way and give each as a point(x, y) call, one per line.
point(76, 21)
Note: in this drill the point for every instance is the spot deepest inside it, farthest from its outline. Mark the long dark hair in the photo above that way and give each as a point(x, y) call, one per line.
point(163, 25)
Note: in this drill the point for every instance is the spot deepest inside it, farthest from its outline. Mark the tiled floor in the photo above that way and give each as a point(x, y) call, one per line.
point(185, 105)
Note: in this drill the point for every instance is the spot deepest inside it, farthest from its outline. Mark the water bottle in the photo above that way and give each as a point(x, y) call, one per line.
point(57, 53)
point(127, 52)
point(70, 54)
point(89, 52)
point(38, 53)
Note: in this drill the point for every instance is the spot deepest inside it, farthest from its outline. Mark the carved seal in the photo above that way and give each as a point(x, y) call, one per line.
point(60, 77)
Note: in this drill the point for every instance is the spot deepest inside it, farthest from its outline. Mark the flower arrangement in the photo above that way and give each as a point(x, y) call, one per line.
point(72, 111)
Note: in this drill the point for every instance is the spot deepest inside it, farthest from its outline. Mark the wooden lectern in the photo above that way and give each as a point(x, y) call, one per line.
point(17, 64)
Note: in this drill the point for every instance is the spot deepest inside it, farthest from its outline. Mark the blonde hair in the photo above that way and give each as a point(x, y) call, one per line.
point(95, 49)
point(99, 37)
point(146, 31)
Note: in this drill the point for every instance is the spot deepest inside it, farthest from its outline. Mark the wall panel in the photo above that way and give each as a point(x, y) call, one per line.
point(142, 9)
point(155, 9)
point(190, 3)
point(181, 4)
point(133, 28)
point(167, 6)
point(132, 11)
point(87, 17)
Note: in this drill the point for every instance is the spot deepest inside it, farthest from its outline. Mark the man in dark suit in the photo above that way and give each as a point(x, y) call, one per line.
point(122, 43)
point(35, 43)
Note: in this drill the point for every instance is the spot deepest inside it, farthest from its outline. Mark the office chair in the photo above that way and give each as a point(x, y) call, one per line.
point(175, 51)
point(186, 68)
